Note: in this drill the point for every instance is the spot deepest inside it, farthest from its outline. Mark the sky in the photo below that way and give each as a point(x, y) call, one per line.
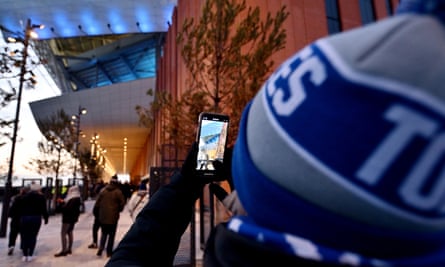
point(28, 134)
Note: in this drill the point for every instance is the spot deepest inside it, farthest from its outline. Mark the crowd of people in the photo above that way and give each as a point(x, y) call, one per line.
point(28, 209)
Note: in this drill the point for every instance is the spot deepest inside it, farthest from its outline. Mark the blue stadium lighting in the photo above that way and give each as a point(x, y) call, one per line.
point(92, 30)
point(118, 25)
point(141, 17)
point(64, 16)
point(89, 23)
point(60, 27)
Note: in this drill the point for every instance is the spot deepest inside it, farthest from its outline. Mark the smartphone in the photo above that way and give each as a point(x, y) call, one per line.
point(211, 138)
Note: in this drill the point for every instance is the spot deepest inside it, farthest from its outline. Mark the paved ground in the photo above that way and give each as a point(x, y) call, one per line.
point(49, 243)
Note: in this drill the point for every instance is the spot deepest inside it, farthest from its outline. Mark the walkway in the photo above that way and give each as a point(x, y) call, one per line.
point(49, 243)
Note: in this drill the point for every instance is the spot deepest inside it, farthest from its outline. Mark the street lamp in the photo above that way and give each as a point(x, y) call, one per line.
point(29, 33)
point(76, 119)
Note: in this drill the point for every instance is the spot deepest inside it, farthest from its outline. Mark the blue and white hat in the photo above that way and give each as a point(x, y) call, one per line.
point(434, 7)
point(345, 158)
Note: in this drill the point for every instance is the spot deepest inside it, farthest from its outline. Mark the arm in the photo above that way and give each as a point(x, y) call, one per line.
point(123, 201)
point(155, 235)
point(13, 210)
point(96, 205)
point(45, 214)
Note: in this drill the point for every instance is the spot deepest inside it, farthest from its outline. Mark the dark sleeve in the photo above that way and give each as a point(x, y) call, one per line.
point(96, 210)
point(45, 214)
point(13, 209)
point(154, 237)
point(96, 205)
point(123, 201)
point(73, 209)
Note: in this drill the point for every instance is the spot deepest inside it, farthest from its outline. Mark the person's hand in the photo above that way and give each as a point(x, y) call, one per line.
point(189, 166)
point(223, 171)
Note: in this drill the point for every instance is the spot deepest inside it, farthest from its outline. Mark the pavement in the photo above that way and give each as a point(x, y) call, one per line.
point(49, 243)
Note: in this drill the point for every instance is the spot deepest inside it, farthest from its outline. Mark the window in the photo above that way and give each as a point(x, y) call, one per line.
point(389, 7)
point(367, 11)
point(333, 17)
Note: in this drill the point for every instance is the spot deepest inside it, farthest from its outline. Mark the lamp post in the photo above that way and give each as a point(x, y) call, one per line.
point(8, 185)
point(76, 118)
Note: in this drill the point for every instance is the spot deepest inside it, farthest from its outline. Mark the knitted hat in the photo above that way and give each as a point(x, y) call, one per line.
point(73, 192)
point(333, 153)
point(435, 7)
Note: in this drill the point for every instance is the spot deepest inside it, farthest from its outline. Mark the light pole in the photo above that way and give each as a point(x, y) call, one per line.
point(29, 33)
point(76, 119)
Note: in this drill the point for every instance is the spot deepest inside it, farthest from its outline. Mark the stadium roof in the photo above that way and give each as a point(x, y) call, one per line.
point(89, 44)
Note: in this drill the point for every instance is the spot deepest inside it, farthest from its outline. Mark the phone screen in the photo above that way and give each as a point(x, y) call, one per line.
point(212, 138)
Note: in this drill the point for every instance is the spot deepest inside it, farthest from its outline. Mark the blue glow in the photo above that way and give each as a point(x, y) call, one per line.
point(10, 25)
point(61, 29)
point(89, 22)
point(17, 25)
point(141, 17)
point(116, 21)
point(65, 16)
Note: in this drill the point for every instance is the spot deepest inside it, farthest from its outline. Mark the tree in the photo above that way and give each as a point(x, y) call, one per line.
point(90, 166)
point(11, 60)
point(228, 55)
point(9, 68)
point(58, 147)
point(228, 51)
point(53, 159)
point(176, 121)
point(60, 138)
point(59, 141)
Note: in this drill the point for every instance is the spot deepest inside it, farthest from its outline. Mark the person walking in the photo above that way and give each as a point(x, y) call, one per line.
point(95, 229)
point(32, 211)
point(70, 215)
point(110, 202)
point(138, 199)
point(96, 224)
point(14, 214)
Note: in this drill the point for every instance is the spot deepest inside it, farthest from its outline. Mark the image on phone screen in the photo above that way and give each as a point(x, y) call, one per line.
point(212, 141)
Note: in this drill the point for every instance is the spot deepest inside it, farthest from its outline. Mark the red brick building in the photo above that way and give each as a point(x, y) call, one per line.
point(308, 20)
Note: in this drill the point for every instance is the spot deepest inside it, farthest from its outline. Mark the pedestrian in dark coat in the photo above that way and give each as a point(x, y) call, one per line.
point(109, 203)
point(70, 216)
point(32, 211)
point(96, 224)
point(95, 229)
point(14, 214)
